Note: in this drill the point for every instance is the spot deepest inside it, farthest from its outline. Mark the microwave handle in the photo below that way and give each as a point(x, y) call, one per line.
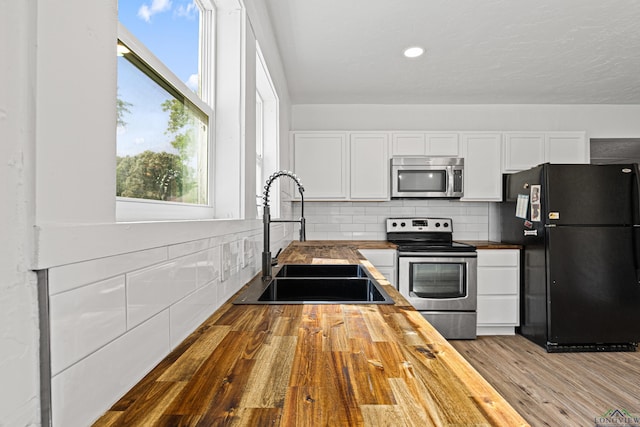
point(450, 179)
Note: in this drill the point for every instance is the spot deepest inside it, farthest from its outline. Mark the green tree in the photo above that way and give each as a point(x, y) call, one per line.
point(122, 107)
point(150, 175)
point(180, 127)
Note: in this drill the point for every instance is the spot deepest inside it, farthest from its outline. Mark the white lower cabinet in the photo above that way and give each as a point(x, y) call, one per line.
point(384, 260)
point(498, 291)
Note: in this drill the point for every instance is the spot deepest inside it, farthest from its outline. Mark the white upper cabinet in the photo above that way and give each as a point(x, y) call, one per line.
point(524, 150)
point(321, 160)
point(343, 165)
point(425, 144)
point(567, 147)
point(482, 176)
point(369, 172)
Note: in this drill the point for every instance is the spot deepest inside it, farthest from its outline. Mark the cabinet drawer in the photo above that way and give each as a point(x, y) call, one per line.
point(498, 257)
point(498, 280)
point(380, 257)
point(498, 310)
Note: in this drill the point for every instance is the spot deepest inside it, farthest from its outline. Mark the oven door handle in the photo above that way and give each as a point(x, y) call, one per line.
point(438, 254)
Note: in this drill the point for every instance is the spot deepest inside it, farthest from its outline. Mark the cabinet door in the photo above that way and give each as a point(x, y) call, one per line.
point(369, 173)
point(384, 260)
point(498, 310)
point(442, 144)
point(567, 147)
point(498, 290)
point(523, 151)
point(320, 160)
point(482, 177)
point(408, 144)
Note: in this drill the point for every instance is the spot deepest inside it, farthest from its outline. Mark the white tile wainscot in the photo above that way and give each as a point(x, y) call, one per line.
point(112, 319)
point(498, 291)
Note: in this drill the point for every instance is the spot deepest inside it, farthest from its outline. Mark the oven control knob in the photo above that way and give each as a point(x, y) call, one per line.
point(437, 224)
point(402, 224)
point(446, 224)
point(394, 224)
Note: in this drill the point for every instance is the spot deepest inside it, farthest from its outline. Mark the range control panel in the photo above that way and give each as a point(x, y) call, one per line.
point(413, 225)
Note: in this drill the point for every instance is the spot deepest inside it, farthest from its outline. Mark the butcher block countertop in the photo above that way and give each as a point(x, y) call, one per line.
point(486, 244)
point(314, 365)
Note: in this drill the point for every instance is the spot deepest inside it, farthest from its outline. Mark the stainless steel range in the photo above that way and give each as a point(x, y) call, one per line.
point(435, 274)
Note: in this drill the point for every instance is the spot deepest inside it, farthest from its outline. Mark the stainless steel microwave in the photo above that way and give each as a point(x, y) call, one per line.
point(424, 177)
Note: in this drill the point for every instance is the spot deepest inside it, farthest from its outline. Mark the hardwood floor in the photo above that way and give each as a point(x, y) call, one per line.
point(560, 389)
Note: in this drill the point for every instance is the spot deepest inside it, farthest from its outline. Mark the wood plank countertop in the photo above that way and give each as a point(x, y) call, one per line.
point(314, 365)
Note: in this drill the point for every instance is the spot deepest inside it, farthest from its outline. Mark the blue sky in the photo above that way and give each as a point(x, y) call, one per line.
point(169, 28)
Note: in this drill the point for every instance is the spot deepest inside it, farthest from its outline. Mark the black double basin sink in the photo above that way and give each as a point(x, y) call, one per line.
point(316, 284)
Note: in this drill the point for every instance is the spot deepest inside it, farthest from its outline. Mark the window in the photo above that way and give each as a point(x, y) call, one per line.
point(164, 113)
point(260, 178)
point(266, 135)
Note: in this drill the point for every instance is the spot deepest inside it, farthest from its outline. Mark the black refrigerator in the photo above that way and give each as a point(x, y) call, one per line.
point(579, 226)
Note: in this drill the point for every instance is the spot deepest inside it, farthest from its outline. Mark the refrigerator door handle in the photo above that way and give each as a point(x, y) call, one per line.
point(636, 250)
point(636, 227)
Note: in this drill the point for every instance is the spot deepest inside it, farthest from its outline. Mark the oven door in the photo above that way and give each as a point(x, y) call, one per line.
point(439, 281)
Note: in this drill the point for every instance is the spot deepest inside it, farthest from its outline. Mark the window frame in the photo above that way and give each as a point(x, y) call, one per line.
point(132, 209)
point(269, 123)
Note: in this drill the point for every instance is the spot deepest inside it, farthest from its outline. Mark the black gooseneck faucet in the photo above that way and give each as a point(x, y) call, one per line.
point(266, 219)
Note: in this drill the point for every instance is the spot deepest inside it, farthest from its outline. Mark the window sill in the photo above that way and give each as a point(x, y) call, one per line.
point(140, 210)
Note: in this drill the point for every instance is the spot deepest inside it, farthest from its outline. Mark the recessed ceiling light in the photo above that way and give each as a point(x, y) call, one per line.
point(413, 52)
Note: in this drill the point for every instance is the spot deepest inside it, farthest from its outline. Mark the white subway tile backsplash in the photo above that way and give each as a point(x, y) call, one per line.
point(377, 210)
point(340, 219)
point(208, 266)
point(326, 227)
point(81, 393)
point(317, 235)
point(151, 290)
point(72, 276)
point(374, 214)
point(367, 235)
point(352, 227)
point(188, 313)
point(84, 319)
point(366, 219)
point(187, 248)
point(352, 210)
point(378, 227)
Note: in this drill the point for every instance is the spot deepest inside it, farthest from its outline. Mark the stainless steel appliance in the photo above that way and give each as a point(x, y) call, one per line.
point(435, 274)
point(580, 229)
point(426, 177)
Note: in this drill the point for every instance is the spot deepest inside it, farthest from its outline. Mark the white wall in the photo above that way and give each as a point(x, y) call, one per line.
point(599, 121)
point(19, 376)
point(57, 127)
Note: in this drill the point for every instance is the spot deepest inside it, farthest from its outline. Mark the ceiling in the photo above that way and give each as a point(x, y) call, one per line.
point(477, 52)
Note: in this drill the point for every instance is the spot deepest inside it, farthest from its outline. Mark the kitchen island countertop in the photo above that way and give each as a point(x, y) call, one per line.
point(314, 365)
